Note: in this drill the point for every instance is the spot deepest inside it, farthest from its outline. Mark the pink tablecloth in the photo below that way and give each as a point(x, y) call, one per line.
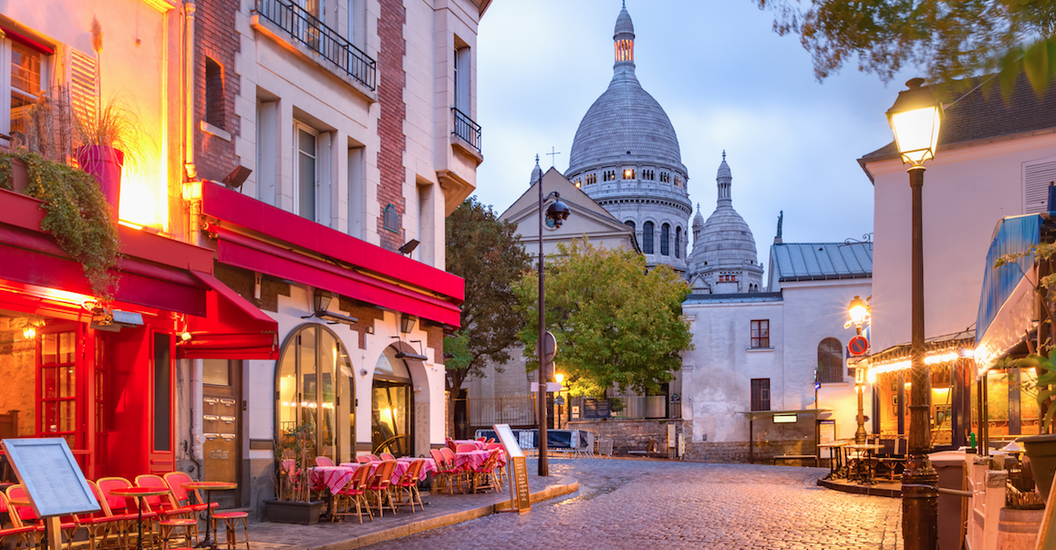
point(473, 459)
point(453, 443)
point(333, 478)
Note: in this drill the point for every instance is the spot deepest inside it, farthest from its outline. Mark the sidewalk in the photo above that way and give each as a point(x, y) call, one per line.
point(440, 511)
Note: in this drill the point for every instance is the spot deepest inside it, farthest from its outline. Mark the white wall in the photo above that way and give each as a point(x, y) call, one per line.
point(966, 191)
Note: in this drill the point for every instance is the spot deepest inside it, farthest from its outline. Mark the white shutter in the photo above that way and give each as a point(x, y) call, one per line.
point(83, 81)
point(1036, 178)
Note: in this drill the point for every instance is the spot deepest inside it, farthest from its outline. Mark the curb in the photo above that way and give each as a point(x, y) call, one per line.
point(860, 489)
point(565, 486)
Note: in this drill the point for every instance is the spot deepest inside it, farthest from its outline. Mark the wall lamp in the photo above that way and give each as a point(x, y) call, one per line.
point(321, 300)
point(408, 246)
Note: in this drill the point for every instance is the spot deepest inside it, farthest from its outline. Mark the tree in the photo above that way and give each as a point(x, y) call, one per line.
point(616, 324)
point(488, 254)
point(950, 39)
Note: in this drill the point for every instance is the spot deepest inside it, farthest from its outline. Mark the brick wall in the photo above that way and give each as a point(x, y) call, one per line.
point(763, 452)
point(391, 82)
point(216, 37)
point(632, 435)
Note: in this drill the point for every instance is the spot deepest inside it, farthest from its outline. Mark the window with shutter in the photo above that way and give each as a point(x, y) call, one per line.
point(760, 394)
point(1036, 179)
point(83, 81)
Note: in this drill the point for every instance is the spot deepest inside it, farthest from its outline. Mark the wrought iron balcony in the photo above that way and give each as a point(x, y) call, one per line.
point(466, 129)
point(306, 29)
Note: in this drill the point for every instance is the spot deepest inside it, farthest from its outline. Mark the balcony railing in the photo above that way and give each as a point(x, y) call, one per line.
point(466, 129)
point(307, 29)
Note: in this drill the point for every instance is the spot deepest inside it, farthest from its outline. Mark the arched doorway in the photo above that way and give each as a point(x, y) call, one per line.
point(315, 387)
point(392, 406)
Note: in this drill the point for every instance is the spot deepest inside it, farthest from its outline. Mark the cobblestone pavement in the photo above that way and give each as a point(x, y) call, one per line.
point(643, 505)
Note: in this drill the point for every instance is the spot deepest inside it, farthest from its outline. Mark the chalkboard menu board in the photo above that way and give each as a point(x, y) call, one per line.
point(51, 476)
point(520, 495)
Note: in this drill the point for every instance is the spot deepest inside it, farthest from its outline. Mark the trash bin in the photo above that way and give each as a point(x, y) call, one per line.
point(952, 509)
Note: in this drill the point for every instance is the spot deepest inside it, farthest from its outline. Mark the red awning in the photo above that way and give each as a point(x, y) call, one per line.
point(233, 328)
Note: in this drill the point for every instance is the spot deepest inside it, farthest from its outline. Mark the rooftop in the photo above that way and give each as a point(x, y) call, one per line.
point(822, 261)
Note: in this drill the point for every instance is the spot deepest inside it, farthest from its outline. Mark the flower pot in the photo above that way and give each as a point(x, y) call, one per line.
point(288, 511)
point(1042, 452)
point(104, 164)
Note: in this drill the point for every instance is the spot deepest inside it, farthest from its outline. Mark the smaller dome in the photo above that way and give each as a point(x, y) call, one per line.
point(624, 24)
point(537, 172)
point(698, 220)
point(724, 169)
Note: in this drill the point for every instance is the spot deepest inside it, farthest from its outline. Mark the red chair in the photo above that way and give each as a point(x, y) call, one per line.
point(170, 515)
point(380, 483)
point(354, 490)
point(373, 458)
point(457, 472)
point(387, 456)
point(231, 520)
point(466, 448)
point(25, 516)
point(119, 505)
point(482, 439)
point(442, 477)
point(324, 461)
point(24, 534)
point(363, 459)
point(175, 480)
point(484, 476)
point(409, 482)
point(104, 523)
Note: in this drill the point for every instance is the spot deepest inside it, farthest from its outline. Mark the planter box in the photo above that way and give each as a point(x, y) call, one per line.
point(285, 511)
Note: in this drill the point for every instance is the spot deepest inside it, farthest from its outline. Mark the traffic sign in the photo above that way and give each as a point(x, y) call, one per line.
point(858, 346)
point(549, 346)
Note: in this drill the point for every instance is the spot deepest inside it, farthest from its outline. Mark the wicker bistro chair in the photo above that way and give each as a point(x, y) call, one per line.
point(363, 459)
point(409, 482)
point(380, 485)
point(484, 476)
point(466, 448)
point(23, 535)
point(119, 506)
point(175, 480)
point(170, 515)
point(387, 456)
point(24, 516)
point(104, 525)
point(324, 461)
point(500, 471)
point(354, 491)
point(441, 478)
point(457, 473)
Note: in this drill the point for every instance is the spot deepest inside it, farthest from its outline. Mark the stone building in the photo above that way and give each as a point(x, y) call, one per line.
point(626, 157)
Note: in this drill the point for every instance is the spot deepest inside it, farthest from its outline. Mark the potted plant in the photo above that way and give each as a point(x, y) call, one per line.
point(104, 140)
point(294, 455)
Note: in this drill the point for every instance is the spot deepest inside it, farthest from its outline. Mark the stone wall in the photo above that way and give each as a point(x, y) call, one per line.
point(634, 435)
point(763, 452)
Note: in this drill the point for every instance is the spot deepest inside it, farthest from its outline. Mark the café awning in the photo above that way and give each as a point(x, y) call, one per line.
point(232, 328)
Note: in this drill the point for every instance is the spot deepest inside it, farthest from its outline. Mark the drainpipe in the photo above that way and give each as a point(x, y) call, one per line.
point(191, 174)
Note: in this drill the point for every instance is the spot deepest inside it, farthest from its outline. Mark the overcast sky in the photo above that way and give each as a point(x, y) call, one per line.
point(726, 80)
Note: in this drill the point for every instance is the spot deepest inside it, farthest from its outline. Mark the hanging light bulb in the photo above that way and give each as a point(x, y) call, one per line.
point(29, 332)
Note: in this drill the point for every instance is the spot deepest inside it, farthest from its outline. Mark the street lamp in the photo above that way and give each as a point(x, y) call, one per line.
point(557, 212)
point(859, 310)
point(558, 399)
point(915, 119)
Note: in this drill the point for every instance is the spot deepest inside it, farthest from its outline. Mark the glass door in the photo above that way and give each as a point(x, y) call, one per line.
point(57, 385)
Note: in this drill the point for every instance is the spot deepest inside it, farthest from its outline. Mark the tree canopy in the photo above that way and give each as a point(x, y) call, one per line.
point(615, 323)
point(950, 39)
point(487, 253)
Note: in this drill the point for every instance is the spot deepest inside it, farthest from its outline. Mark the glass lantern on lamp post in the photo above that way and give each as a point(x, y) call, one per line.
point(915, 119)
point(859, 312)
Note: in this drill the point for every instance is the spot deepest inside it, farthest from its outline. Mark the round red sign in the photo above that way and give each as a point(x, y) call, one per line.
point(858, 346)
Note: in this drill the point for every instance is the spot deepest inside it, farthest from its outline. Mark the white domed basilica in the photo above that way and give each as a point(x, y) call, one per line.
point(724, 259)
point(626, 157)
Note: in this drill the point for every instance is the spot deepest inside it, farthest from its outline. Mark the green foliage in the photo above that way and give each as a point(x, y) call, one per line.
point(488, 254)
point(615, 323)
point(77, 215)
point(616, 404)
point(950, 39)
point(1044, 386)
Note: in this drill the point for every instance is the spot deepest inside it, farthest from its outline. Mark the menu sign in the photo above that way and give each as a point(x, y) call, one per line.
point(520, 495)
point(51, 476)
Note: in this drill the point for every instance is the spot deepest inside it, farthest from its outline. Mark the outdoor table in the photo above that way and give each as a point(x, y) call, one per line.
point(866, 450)
point(472, 460)
point(456, 442)
point(402, 464)
point(139, 492)
point(835, 455)
point(209, 487)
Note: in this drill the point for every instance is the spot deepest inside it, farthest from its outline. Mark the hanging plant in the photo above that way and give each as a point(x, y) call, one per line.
point(77, 215)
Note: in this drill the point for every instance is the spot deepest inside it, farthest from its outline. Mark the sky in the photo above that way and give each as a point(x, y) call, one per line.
point(727, 82)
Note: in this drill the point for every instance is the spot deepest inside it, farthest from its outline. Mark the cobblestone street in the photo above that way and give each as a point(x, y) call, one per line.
point(657, 504)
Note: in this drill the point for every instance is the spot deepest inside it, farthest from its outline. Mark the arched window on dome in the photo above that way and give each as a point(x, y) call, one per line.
point(678, 242)
point(630, 224)
point(665, 238)
point(830, 361)
point(647, 237)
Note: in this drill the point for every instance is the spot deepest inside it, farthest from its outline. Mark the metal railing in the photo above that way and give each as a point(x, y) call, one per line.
point(466, 129)
point(307, 29)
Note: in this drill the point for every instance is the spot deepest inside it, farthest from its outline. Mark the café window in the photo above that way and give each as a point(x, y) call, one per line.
point(315, 387)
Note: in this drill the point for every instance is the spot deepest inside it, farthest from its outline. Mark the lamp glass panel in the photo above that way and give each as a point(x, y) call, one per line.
point(916, 133)
point(857, 314)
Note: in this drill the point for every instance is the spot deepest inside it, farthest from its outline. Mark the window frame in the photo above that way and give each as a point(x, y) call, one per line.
point(833, 373)
point(648, 230)
point(760, 394)
point(758, 340)
point(7, 80)
point(299, 127)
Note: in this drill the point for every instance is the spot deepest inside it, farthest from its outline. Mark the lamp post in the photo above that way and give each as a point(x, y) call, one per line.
point(558, 213)
point(859, 310)
point(915, 118)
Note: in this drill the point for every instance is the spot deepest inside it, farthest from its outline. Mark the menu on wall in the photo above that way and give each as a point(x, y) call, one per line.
point(520, 495)
point(51, 476)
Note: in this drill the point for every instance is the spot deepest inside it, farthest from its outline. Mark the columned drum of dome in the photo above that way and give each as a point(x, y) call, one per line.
point(724, 258)
point(626, 157)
